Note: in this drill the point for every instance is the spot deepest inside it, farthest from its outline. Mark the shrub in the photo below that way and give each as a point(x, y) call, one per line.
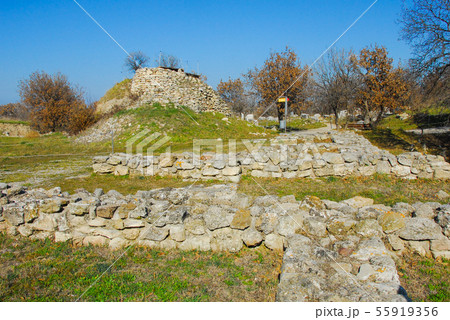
point(55, 104)
point(32, 134)
point(14, 111)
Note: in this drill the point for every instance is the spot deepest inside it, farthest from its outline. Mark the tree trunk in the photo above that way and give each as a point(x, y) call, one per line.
point(336, 118)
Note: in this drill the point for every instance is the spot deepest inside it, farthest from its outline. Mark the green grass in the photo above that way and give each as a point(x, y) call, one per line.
point(394, 123)
point(183, 125)
point(383, 189)
point(295, 124)
point(48, 156)
point(23, 158)
point(48, 271)
point(425, 279)
point(119, 91)
point(391, 135)
point(7, 121)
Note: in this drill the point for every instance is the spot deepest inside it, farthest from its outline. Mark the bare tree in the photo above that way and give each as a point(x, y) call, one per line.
point(136, 60)
point(335, 82)
point(426, 26)
point(237, 94)
point(169, 61)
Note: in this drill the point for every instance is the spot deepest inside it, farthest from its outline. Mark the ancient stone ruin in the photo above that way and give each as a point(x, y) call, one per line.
point(291, 156)
point(165, 85)
point(333, 251)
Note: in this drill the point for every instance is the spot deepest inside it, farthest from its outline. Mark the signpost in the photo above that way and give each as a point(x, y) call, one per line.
point(283, 123)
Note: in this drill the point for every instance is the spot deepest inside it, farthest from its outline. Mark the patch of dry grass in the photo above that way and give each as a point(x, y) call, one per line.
point(123, 184)
point(382, 188)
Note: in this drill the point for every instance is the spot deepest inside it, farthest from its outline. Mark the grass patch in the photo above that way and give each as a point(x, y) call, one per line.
point(296, 124)
point(51, 155)
point(48, 271)
point(119, 91)
point(183, 125)
point(383, 189)
point(6, 121)
point(391, 135)
point(22, 159)
point(123, 184)
point(425, 279)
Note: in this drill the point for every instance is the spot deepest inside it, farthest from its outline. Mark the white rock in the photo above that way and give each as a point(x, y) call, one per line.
point(202, 243)
point(274, 242)
point(365, 271)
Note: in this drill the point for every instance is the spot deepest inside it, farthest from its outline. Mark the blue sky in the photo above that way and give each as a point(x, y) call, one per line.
point(223, 38)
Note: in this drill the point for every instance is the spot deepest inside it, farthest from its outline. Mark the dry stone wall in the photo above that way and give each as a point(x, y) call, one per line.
point(182, 89)
point(334, 251)
point(318, 155)
point(14, 130)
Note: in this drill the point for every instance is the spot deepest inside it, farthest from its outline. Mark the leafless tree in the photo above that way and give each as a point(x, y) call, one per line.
point(426, 26)
point(335, 82)
point(136, 60)
point(238, 95)
point(169, 61)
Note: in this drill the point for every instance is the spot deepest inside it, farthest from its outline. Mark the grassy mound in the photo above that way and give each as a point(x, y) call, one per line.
point(119, 91)
point(183, 125)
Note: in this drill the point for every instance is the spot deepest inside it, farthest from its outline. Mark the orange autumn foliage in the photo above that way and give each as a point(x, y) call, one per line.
point(282, 71)
point(383, 87)
point(54, 104)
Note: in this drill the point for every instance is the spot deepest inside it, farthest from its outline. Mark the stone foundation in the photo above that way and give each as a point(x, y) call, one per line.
point(334, 251)
point(321, 155)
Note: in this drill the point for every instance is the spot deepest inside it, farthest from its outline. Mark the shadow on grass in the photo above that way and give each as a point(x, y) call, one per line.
point(387, 139)
point(425, 120)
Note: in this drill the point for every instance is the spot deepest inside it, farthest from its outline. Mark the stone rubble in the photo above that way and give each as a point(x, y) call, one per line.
point(334, 251)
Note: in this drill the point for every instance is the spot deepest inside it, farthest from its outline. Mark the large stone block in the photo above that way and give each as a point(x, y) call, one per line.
point(391, 221)
point(420, 229)
point(226, 239)
point(217, 217)
point(252, 237)
point(107, 211)
point(241, 220)
point(102, 168)
point(274, 242)
point(202, 243)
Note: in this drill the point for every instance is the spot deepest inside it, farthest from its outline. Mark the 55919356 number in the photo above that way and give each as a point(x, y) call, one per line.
point(406, 311)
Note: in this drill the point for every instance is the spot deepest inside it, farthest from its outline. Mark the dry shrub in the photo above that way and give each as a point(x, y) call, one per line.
point(14, 111)
point(81, 118)
point(32, 134)
point(55, 104)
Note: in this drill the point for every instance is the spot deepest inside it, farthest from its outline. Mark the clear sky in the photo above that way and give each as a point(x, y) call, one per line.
point(223, 38)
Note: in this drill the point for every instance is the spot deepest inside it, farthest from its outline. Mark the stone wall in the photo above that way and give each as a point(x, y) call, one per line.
point(182, 89)
point(334, 251)
point(15, 130)
point(321, 155)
